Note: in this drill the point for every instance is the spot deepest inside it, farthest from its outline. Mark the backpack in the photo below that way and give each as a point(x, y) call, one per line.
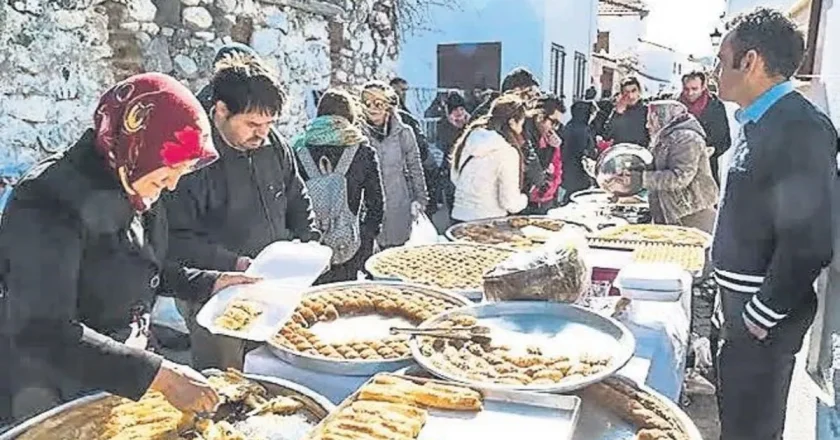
point(327, 188)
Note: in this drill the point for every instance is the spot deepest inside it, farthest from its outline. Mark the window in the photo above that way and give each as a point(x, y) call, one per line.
point(557, 66)
point(466, 66)
point(580, 75)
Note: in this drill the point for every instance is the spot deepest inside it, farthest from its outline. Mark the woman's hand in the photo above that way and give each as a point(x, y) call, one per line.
point(185, 388)
point(227, 279)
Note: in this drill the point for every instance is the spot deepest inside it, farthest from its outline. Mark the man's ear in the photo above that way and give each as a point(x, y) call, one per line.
point(221, 110)
point(750, 61)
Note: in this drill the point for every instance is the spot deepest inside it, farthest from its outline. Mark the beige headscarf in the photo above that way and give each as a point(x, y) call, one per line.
point(661, 114)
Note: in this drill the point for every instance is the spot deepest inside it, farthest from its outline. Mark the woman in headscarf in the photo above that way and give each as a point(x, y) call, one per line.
point(578, 143)
point(330, 136)
point(681, 189)
point(83, 247)
point(399, 159)
point(487, 164)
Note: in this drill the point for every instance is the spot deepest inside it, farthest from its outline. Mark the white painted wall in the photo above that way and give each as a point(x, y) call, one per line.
point(829, 68)
point(735, 7)
point(657, 62)
point(624, 32)
point(572, 24)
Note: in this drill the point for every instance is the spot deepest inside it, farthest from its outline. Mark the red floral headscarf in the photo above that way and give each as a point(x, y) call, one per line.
point(150, 121)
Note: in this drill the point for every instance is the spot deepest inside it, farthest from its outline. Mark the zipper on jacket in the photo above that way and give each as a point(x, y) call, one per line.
point(264, 205)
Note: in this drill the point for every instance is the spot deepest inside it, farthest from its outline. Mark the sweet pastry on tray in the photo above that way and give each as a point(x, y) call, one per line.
point(389, 301)
point(508, 231)
point(447, 266)
point(691, 258)
point(238, 315)
point(152, 417)
point(655, 233)
point(653, 420)
point(497, 363)
point(393, 408)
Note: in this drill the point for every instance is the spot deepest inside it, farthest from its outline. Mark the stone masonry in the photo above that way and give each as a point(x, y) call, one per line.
point(58, 56)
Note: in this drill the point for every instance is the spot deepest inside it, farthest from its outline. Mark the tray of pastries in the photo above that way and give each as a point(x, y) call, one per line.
point(661, 234)
point(252, 407)
point(394, 407)
point(344, 328)
point(516, 232)
point(691, 258)
point(525, 345)
point(455, 267)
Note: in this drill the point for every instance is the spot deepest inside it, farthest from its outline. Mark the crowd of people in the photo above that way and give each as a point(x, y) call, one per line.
point(173, 194)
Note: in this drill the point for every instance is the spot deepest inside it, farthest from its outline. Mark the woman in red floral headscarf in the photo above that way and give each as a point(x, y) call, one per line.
point(83, 247)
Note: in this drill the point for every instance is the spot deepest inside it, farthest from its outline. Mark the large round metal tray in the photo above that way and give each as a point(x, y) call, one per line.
point(454, 231)
point(601, 235)
point(359, 367)
point(566, 322)
point(76, 420)
point(476, 294)
point(601, 197)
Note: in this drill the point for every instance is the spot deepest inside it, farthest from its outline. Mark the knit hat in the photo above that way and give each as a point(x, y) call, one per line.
point(453, 101)
point(150, 121)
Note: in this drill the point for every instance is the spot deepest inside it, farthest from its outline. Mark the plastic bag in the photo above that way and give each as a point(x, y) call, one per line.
point(556, 272)
point(423, 232)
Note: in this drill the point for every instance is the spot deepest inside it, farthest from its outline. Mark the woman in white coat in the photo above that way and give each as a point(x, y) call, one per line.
point(487, 164)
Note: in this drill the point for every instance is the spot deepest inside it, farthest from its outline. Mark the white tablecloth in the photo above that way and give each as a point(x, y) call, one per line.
point(661, 331)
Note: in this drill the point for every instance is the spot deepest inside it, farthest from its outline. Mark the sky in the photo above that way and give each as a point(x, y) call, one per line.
point(684, 25)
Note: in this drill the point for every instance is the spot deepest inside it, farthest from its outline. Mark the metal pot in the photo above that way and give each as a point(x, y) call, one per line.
point(615, 165)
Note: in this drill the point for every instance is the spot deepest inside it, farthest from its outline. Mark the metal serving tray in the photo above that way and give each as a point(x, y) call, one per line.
point(369, 324)
point(454, 232)
point(597, 422)
point(476, 294)
point(76, 420)
point(506, 415)
point(523, 323)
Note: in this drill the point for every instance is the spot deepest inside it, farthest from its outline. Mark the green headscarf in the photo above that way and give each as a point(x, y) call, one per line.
point(329, 130)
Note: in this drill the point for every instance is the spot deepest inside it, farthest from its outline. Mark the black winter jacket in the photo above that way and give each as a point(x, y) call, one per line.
point(630, 126)
point(715, 123)
point(239, 205)
point(77, 262)
point(578, 143)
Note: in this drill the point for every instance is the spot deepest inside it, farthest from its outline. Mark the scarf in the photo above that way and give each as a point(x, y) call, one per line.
point(147, 122)
point(329, 130)
point(697, 107)
point(661, 114)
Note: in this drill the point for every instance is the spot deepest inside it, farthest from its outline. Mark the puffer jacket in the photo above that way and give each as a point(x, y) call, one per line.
point(681, 183)
point(487, 178)
point(402, 180)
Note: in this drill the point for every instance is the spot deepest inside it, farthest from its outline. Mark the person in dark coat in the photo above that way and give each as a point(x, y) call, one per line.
point(224, 215)
point(710, 111)
point(328, 136)
point(84, 249)
point(578, 143)
point(449, 129)
point(627, 123)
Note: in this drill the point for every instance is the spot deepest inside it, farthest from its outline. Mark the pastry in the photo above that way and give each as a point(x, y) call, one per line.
point(447, 266)
point(675, 235)
point(238, 315)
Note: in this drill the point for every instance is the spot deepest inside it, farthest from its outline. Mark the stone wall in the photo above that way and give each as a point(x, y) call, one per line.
point(57, 56)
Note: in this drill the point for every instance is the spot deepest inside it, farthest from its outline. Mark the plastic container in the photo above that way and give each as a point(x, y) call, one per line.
point(653, 282)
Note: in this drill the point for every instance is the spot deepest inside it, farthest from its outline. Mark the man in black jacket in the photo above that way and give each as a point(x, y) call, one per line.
point(628, 121)
point(709, 110)
point(774, 229)
point(224, 215)
point(400, 86)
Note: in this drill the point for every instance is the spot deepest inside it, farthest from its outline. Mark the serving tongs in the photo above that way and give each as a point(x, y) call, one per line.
point(478, 334)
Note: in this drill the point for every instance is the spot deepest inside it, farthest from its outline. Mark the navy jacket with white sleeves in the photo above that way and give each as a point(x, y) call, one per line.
point(774, 229)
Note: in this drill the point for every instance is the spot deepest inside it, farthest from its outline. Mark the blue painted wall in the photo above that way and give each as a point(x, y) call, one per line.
point(517, 24)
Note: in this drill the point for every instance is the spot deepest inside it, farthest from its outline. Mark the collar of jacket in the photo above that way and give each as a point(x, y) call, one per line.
point(80, 181)
point(755, 111)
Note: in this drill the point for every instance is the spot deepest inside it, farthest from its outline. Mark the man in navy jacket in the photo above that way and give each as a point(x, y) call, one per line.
point(774, 229)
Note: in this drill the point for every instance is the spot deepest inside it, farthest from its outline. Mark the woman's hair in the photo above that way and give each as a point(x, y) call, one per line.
point(381, 90)
point(505, 108)
point(337, 102)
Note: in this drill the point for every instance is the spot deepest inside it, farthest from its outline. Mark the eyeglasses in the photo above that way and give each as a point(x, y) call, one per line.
point(554, 122)
point(376, 104)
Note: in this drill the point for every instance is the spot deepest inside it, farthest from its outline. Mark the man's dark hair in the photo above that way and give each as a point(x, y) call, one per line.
point(773, 36)
point(398, 80)
point(338, 103)
point(694, 75)
point(630, 81)
point(519, 78)
point(246, 85)
point(548, 104)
